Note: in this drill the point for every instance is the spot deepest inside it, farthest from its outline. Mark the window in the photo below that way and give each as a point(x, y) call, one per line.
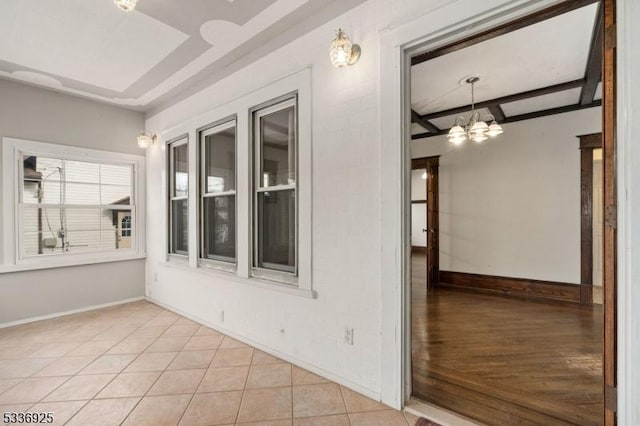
point(275, 199)
point(179, 197)
point(69, 206)
point(65, 205)
point(125, 227)
point(218, 192)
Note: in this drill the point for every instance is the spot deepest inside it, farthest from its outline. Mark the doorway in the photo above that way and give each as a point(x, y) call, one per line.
point(123, 231)
point(473, 396)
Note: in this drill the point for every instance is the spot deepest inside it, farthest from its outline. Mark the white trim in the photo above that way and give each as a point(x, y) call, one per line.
point(276, 188)
point(218, 194)
point(76, 261)
point(628, 235)
point(249, 281)
point(13, 260)
point(70, 312)
point(437, 414)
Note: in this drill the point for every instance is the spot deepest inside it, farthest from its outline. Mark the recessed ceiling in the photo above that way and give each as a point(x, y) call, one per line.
point(143, 58)
point(549, 53)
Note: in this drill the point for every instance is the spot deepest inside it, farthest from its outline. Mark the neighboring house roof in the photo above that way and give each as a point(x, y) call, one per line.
point(124, 201)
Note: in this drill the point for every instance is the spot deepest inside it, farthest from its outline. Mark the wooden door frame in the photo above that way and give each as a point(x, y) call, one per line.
point(587, 144)
point(431, 165)
point(610, 196)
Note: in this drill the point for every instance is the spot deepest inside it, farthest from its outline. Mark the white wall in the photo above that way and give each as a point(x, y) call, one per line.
point(36, 114)
point(628, 167)
point(346, 210)
point(511, 205)
point(418, 210)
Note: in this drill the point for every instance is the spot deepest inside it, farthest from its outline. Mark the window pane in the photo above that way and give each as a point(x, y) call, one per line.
point(55, 181)
point(278, 137)
point(179, 228)
point(51, 230)
point(220, 227)
point(115, 195)
point(81, 193)
point(180, 171)
point(276, 230)
point(220, 161)
point(80, 171)
point(115, 175)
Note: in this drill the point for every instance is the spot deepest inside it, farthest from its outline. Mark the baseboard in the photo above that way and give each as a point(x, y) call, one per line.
point(71, 312)
point(520, 287)
point(437, 414)
point(293, 360)
point(418, 249)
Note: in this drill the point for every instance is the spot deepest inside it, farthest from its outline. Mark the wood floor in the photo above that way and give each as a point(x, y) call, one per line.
point(504, 360)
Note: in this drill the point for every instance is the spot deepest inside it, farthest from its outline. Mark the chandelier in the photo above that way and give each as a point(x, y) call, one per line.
point(475, 129)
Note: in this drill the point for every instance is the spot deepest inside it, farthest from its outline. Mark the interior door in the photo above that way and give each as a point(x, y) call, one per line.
point(433, 246)
point(124, 230)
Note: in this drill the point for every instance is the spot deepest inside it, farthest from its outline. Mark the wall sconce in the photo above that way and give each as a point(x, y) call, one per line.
point(145, 140)
point(342, 51)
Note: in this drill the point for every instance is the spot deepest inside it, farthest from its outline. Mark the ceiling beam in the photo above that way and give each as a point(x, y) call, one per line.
point(496, 111)
point(426, 135)
point(527, 116)
point(424, 123)
point(525, 21)
point(506, 99)
point(551, 111)
point(593, 72)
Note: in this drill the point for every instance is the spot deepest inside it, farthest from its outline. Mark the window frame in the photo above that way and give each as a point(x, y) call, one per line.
point(14, 150)
point(219, 262)
point(276, 272)
point(171, 145)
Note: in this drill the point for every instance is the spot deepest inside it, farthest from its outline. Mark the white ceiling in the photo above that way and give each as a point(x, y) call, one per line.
point(143, 58)
point(550, 52)
point(85, 40)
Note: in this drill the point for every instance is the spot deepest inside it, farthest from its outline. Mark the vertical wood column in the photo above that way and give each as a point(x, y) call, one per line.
point(433, 224)
point(587, 144)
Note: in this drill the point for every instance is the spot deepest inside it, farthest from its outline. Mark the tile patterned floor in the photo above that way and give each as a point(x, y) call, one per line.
point(139, 364)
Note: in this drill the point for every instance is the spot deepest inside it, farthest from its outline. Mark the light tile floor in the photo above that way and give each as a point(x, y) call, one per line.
point(139, 364)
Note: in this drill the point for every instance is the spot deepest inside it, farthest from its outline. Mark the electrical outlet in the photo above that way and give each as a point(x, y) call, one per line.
point(348, 336)
point(222, 315)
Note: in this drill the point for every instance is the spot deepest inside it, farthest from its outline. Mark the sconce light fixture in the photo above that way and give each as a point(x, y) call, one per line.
point(342, 51)
point(126, 5)
point(145, 140)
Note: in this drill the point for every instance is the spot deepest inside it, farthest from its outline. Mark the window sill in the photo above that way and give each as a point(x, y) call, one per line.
point(213, 265)
point(34, 264)
point(252, 281)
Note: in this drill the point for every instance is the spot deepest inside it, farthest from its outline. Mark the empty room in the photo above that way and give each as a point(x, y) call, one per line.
point(312, 212)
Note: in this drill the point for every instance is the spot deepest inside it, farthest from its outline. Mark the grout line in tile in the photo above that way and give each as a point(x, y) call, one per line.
point(192, 395)
point(346, 410)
